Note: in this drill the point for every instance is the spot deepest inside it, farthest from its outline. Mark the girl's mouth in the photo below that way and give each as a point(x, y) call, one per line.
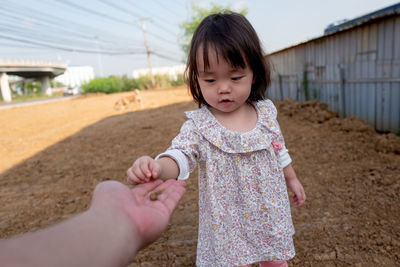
point(226, 102)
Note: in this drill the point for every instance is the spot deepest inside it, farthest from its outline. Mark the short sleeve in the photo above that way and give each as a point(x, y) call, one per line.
point(184, 149)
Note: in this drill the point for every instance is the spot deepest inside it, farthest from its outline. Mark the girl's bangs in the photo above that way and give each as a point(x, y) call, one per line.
point(224, 47)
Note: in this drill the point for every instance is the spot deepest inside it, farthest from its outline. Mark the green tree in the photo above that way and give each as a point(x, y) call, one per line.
point(34, 87)
point(111, 84)
point(54, 83)
point(190, 26)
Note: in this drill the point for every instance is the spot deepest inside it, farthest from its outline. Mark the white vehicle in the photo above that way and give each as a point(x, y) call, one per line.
point(72, 91)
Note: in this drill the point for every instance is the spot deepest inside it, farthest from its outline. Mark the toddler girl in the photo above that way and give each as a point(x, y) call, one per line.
point(234, 137)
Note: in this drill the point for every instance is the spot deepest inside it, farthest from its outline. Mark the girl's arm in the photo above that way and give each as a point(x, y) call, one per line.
point(294, 185)
point(177, 162)
point(169, 168)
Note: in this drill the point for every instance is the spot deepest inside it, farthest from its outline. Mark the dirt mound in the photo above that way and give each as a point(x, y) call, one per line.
point(351, 175)
point(317, 112)
point(388, 143)
point(312, 111)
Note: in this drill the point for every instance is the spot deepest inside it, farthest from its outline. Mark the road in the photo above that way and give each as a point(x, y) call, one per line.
point(34, 102)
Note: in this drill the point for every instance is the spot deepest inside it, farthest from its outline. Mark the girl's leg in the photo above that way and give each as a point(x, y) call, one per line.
point(269, 264)
point(273, 264)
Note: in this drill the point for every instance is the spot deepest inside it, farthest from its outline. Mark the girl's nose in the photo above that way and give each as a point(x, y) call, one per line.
point(224, 88)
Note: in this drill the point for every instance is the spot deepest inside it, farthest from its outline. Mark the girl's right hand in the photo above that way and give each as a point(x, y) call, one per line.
point(143, 170)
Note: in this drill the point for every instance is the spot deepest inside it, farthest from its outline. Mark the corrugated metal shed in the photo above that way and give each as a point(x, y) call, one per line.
point(355, 68)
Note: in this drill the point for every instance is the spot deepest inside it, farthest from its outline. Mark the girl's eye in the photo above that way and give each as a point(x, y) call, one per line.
point(210, 80)
point(237, 78)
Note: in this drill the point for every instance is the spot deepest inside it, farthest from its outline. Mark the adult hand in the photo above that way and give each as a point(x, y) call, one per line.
point(119, 222)
point(147, 218)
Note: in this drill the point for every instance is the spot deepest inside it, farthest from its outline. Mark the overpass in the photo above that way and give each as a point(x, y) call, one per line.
point(28, 69)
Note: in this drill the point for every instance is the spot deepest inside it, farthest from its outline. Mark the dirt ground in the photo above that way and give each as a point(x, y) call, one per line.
point(53, 155)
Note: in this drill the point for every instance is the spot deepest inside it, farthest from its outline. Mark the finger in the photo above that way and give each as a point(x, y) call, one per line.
point(131, 177)
point(298, 199)
point(145, 189)
point(294, 200)
point(138, 173)
point(181, 183)
point(155, 169)
point(129, 173)
point(301, 197)
point(304, 195)
point(173, 199)
point(145, 168)
point(173, 193)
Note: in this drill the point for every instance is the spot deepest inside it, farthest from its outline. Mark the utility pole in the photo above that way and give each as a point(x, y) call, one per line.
point(147, 51)
point(99, 56)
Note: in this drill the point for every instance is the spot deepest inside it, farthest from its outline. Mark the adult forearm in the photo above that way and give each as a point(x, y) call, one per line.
point(89, 239)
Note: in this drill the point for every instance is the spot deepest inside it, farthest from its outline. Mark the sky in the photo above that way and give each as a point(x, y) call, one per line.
point(108, 34)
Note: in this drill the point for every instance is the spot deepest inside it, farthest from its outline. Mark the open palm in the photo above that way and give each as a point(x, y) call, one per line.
point(149, 218)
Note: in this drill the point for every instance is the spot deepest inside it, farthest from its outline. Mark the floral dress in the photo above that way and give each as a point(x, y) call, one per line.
point(244, 210)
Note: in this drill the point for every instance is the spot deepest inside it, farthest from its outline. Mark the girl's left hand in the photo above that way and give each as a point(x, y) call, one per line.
point(298, 191)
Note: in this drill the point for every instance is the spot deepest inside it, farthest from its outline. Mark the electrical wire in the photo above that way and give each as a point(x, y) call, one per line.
point(167, 8)
point(53, 22)
point(69, 49)
point(131, 13)
point(29, 27)
point(114, 19)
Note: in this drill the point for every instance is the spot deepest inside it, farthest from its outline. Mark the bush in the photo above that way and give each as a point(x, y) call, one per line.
point(143, 82)
point(164, 81)
point(115, 84)
point(128, 84)
point(108, 85)
point(178, 82)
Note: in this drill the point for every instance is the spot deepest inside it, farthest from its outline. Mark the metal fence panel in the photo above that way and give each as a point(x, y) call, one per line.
point(356, 72)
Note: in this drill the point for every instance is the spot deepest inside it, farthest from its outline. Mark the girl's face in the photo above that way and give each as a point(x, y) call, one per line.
point(224, 87)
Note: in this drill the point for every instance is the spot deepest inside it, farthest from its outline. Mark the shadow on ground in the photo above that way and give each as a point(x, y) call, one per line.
point(350, 174)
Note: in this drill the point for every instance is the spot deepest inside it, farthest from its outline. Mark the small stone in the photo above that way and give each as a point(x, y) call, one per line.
point(154, 195)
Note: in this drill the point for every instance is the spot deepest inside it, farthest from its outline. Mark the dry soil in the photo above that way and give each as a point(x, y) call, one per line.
point(53, 155)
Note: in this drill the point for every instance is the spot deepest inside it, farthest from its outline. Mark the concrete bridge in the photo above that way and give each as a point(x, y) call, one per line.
point(42, 71)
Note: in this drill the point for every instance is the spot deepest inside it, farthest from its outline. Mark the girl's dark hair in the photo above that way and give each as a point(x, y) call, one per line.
point(233, 38)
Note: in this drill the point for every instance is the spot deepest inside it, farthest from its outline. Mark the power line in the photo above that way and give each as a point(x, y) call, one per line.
point(164, 21)
point(49, 25)
point(167, 52)
point(129, 12)
point(114, 19)
point(58, 23)
point(90, 11)
point(165, 57)
point(167, 8)
point(69, 49)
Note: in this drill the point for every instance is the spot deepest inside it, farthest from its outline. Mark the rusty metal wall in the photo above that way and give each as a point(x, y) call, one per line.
point(356, 72)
